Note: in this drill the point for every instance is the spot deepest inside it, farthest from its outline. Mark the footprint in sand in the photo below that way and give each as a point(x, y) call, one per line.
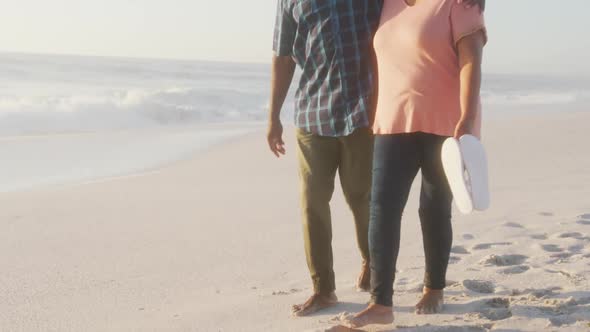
point(402, 281)
point(518, 269)
point(460, 250)
point(451, 283)
point(572, 277)
point(585, 216)
point(454, 259)
point(562, 320)
point(559, 307)
point(504, 260)
point(571, 235)
point(498, 302)
point(281, 293)
point(536, 293)
point(341, 317)
point(495, 309)
point(576, 248)
point(513, 225)
point(479, 286)
point(562, 255)
point(468, 237)
point(551, 248)
point(484, 246)
point(546, 214)
point(583, 222)
point(539, 236)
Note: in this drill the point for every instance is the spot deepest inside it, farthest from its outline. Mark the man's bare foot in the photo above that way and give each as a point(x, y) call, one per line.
point(314, 304)
point(363, 283)
point(431, 303)
point(375, 314)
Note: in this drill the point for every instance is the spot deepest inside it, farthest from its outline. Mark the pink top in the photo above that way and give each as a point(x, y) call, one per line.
point(418, 65)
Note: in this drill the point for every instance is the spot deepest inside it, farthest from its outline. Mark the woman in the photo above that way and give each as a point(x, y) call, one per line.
point(429, 65)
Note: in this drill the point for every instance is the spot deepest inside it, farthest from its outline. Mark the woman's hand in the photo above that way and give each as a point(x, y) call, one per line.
point(466, 126)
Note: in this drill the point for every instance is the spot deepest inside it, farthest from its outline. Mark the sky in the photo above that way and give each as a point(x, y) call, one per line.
point(526, 36)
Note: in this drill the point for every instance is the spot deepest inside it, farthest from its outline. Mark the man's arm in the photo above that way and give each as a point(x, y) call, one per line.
point(469, 3)
point(283, 68)
point(470, 49)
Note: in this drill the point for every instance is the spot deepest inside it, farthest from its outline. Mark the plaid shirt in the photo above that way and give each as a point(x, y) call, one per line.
point(331, 40)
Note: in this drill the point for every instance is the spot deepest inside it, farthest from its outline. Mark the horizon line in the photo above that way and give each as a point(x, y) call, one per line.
point(205, 60)
point(132, 57)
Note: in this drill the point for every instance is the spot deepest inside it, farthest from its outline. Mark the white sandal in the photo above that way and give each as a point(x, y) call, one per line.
point(466, 167)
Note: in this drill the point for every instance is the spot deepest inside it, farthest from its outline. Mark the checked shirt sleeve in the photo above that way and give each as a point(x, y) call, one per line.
point(285, 29)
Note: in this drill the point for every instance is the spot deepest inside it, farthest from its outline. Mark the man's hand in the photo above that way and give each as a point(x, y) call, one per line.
point(283, 68)
point(471, 3)
point(275, 138)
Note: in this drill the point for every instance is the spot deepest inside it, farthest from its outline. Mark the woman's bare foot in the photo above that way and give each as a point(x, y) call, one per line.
point(375, 314)
point(363, 283)
point(314, 304)
point(431, 303)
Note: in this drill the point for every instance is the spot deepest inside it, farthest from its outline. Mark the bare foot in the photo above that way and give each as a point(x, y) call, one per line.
point(314, 304)
point(431, 303)
point(363, 283)
point(375, 314)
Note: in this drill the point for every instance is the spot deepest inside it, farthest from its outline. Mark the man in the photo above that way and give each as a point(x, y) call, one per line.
point(331, 41)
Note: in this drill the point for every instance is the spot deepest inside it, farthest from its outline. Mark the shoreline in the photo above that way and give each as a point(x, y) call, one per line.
point(209, 136)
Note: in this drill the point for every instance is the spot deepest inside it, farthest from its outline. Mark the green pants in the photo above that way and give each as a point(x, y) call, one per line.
point(320, 158)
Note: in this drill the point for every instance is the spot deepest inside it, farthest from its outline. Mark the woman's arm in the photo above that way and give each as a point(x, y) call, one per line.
point(375, 93)
point(470, 49)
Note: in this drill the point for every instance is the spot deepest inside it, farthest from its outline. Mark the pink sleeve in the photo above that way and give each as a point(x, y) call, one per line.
point(465, 21)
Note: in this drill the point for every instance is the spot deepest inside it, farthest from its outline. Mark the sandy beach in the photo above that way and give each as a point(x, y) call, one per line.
point(214, 243)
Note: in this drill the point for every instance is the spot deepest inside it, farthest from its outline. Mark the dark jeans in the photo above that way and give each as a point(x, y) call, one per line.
point(396, 161)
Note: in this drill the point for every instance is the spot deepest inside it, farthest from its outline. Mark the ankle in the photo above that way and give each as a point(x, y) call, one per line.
point(326, 296)
point(380, 307)
point(430, 291)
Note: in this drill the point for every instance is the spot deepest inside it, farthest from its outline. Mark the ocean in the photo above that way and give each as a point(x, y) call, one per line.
point(69, 119)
